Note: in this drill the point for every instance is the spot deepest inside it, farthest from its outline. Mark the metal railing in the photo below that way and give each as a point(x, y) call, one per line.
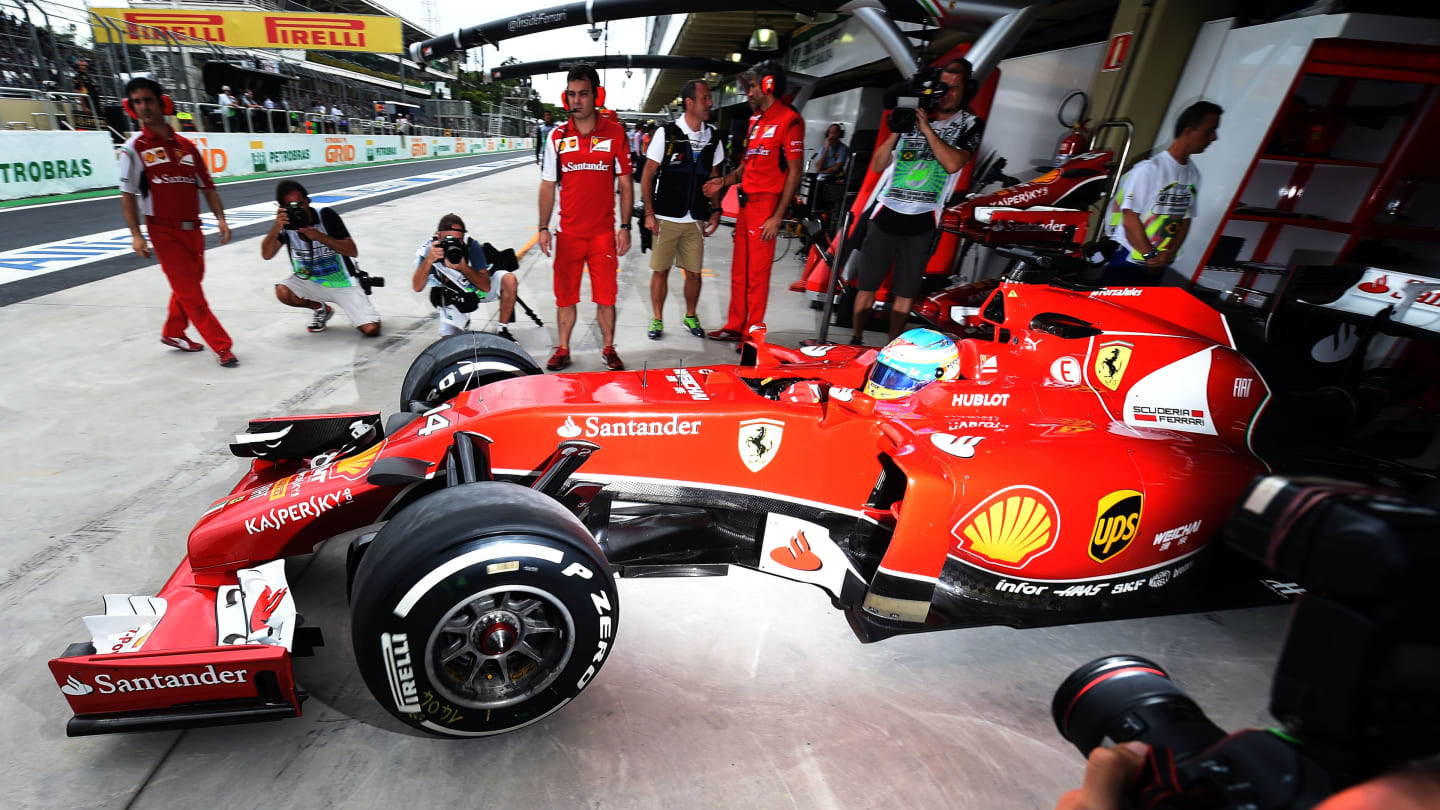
point(63, 110)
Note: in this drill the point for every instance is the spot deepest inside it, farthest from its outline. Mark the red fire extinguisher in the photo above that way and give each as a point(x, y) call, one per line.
point(1073, 142)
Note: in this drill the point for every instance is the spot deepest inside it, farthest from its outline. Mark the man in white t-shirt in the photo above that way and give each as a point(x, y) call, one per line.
point(681, 157)
point(1151, 214)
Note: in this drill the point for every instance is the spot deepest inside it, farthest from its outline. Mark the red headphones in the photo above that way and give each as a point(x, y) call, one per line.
point(599, 98)
point(167, 105)
point(765, 72)
point(594, 79)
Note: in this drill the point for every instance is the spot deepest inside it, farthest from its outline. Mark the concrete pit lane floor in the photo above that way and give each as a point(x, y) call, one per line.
point(746, 691)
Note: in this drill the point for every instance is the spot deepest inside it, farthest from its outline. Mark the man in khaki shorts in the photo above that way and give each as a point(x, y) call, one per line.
point(681, 156)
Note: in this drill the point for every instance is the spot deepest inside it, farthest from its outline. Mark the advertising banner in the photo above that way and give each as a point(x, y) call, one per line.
point(235, 154)
point(37, 163)
point(254, 29)
point(34, 164)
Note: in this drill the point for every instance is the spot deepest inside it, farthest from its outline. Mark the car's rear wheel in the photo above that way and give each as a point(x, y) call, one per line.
point(480, 609)
point(459, 363)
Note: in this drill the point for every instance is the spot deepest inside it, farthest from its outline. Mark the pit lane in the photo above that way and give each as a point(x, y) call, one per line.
point(746, 691)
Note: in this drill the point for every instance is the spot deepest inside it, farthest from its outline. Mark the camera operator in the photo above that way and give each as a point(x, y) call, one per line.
point(452, 265)
point(1109, 771)
point(928, 155)
point(321, 252)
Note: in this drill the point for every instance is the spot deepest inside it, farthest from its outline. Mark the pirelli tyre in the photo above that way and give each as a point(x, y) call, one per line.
point(458, 363)
point(480, 609)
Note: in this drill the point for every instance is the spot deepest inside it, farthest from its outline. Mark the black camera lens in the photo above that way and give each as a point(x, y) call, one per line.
point(453, 248)
point(1124, 697)
point(295, 216)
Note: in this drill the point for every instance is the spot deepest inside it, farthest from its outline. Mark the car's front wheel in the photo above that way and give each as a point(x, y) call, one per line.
point(459, 363)
point(480, 609)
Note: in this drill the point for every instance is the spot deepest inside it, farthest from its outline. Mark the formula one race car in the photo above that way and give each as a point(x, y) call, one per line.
point(1074, 468)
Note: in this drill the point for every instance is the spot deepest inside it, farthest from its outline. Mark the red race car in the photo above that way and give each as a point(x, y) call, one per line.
point(1074, 468)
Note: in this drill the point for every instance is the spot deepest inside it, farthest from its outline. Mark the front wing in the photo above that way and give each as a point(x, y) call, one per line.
point(196, 654)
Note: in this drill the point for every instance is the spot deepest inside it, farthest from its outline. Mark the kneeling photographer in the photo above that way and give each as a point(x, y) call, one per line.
point(454, 268)
point(322, 258)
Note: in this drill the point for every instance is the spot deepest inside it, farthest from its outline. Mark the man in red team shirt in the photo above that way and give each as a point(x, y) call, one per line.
point(768, 177)
point(160, 172)
point(583, 161)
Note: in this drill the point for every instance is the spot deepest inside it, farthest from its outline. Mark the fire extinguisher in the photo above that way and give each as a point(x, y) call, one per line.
point(1073, 142)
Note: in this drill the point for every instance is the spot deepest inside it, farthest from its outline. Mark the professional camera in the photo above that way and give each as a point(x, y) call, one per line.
point(455, 249)
point(368, 281)
point(1357, 686)
point(447, 295)
point(923, 91)
point(297, 216)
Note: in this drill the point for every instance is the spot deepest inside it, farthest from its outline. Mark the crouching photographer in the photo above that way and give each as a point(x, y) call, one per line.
point(1356, 688)
point(455, 269)
point(322, 260)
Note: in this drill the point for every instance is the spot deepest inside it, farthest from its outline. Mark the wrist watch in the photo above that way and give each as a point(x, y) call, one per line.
point(1154, 251)
point(625, 227)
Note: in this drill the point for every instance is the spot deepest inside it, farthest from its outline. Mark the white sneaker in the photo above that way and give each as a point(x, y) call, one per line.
point(322, 315)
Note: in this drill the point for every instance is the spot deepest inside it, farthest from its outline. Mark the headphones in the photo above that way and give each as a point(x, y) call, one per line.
point(594, 78)
point(771, 77)
point(167, 105)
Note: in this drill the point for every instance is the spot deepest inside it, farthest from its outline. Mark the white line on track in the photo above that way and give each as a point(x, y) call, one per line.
point(38, 260)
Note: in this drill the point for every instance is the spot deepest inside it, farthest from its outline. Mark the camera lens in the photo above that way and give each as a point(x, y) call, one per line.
point(1125, 697)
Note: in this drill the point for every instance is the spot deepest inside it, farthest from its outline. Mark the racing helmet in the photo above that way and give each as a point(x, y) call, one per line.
point(911, 362)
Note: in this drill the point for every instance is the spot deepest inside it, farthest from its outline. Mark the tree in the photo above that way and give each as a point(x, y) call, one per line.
point(472, 87)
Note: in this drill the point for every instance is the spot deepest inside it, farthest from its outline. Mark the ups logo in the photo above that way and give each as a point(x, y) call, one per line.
point(1117, 521)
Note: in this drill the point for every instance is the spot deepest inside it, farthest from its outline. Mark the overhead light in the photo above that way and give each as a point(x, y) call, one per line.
point(764, 39)
point(735, 57)
point(818, 18)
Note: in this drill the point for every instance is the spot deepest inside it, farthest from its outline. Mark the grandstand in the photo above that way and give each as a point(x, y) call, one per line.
point(42, 86)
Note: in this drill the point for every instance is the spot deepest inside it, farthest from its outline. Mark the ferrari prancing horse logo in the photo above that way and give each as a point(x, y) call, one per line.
point(1111, 359)
point(759, 442)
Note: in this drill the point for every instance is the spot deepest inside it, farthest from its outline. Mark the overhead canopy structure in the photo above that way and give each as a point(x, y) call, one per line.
point(613, 61)
point(716, 29)
point(716, 35)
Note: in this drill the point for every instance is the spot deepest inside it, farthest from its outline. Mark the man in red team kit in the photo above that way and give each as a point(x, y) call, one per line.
point(160, 172)
point(768, 177)
point(584, 158)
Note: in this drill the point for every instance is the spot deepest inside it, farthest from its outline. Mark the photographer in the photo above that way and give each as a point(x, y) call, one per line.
point(1109, 771)
point(320, 250)
point(453, 267)
point(928, 146)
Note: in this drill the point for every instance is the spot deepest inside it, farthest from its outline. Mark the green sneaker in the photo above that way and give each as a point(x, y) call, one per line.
point(693, 324)
point(657, 326)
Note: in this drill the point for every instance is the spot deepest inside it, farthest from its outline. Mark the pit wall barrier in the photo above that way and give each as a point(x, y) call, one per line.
point(43, 163)
point(38, 163)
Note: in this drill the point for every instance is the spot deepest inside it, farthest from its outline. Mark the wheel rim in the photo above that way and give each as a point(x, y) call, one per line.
point(500, 647)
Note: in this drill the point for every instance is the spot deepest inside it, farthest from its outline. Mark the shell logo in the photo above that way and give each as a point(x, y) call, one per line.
point(353, 466)
point(1010, 528)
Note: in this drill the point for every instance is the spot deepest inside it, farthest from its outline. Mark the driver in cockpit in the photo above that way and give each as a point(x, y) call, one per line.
point(911, 362)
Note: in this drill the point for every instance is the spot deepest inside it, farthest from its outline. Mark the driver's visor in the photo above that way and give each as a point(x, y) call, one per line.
point(890, 379)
